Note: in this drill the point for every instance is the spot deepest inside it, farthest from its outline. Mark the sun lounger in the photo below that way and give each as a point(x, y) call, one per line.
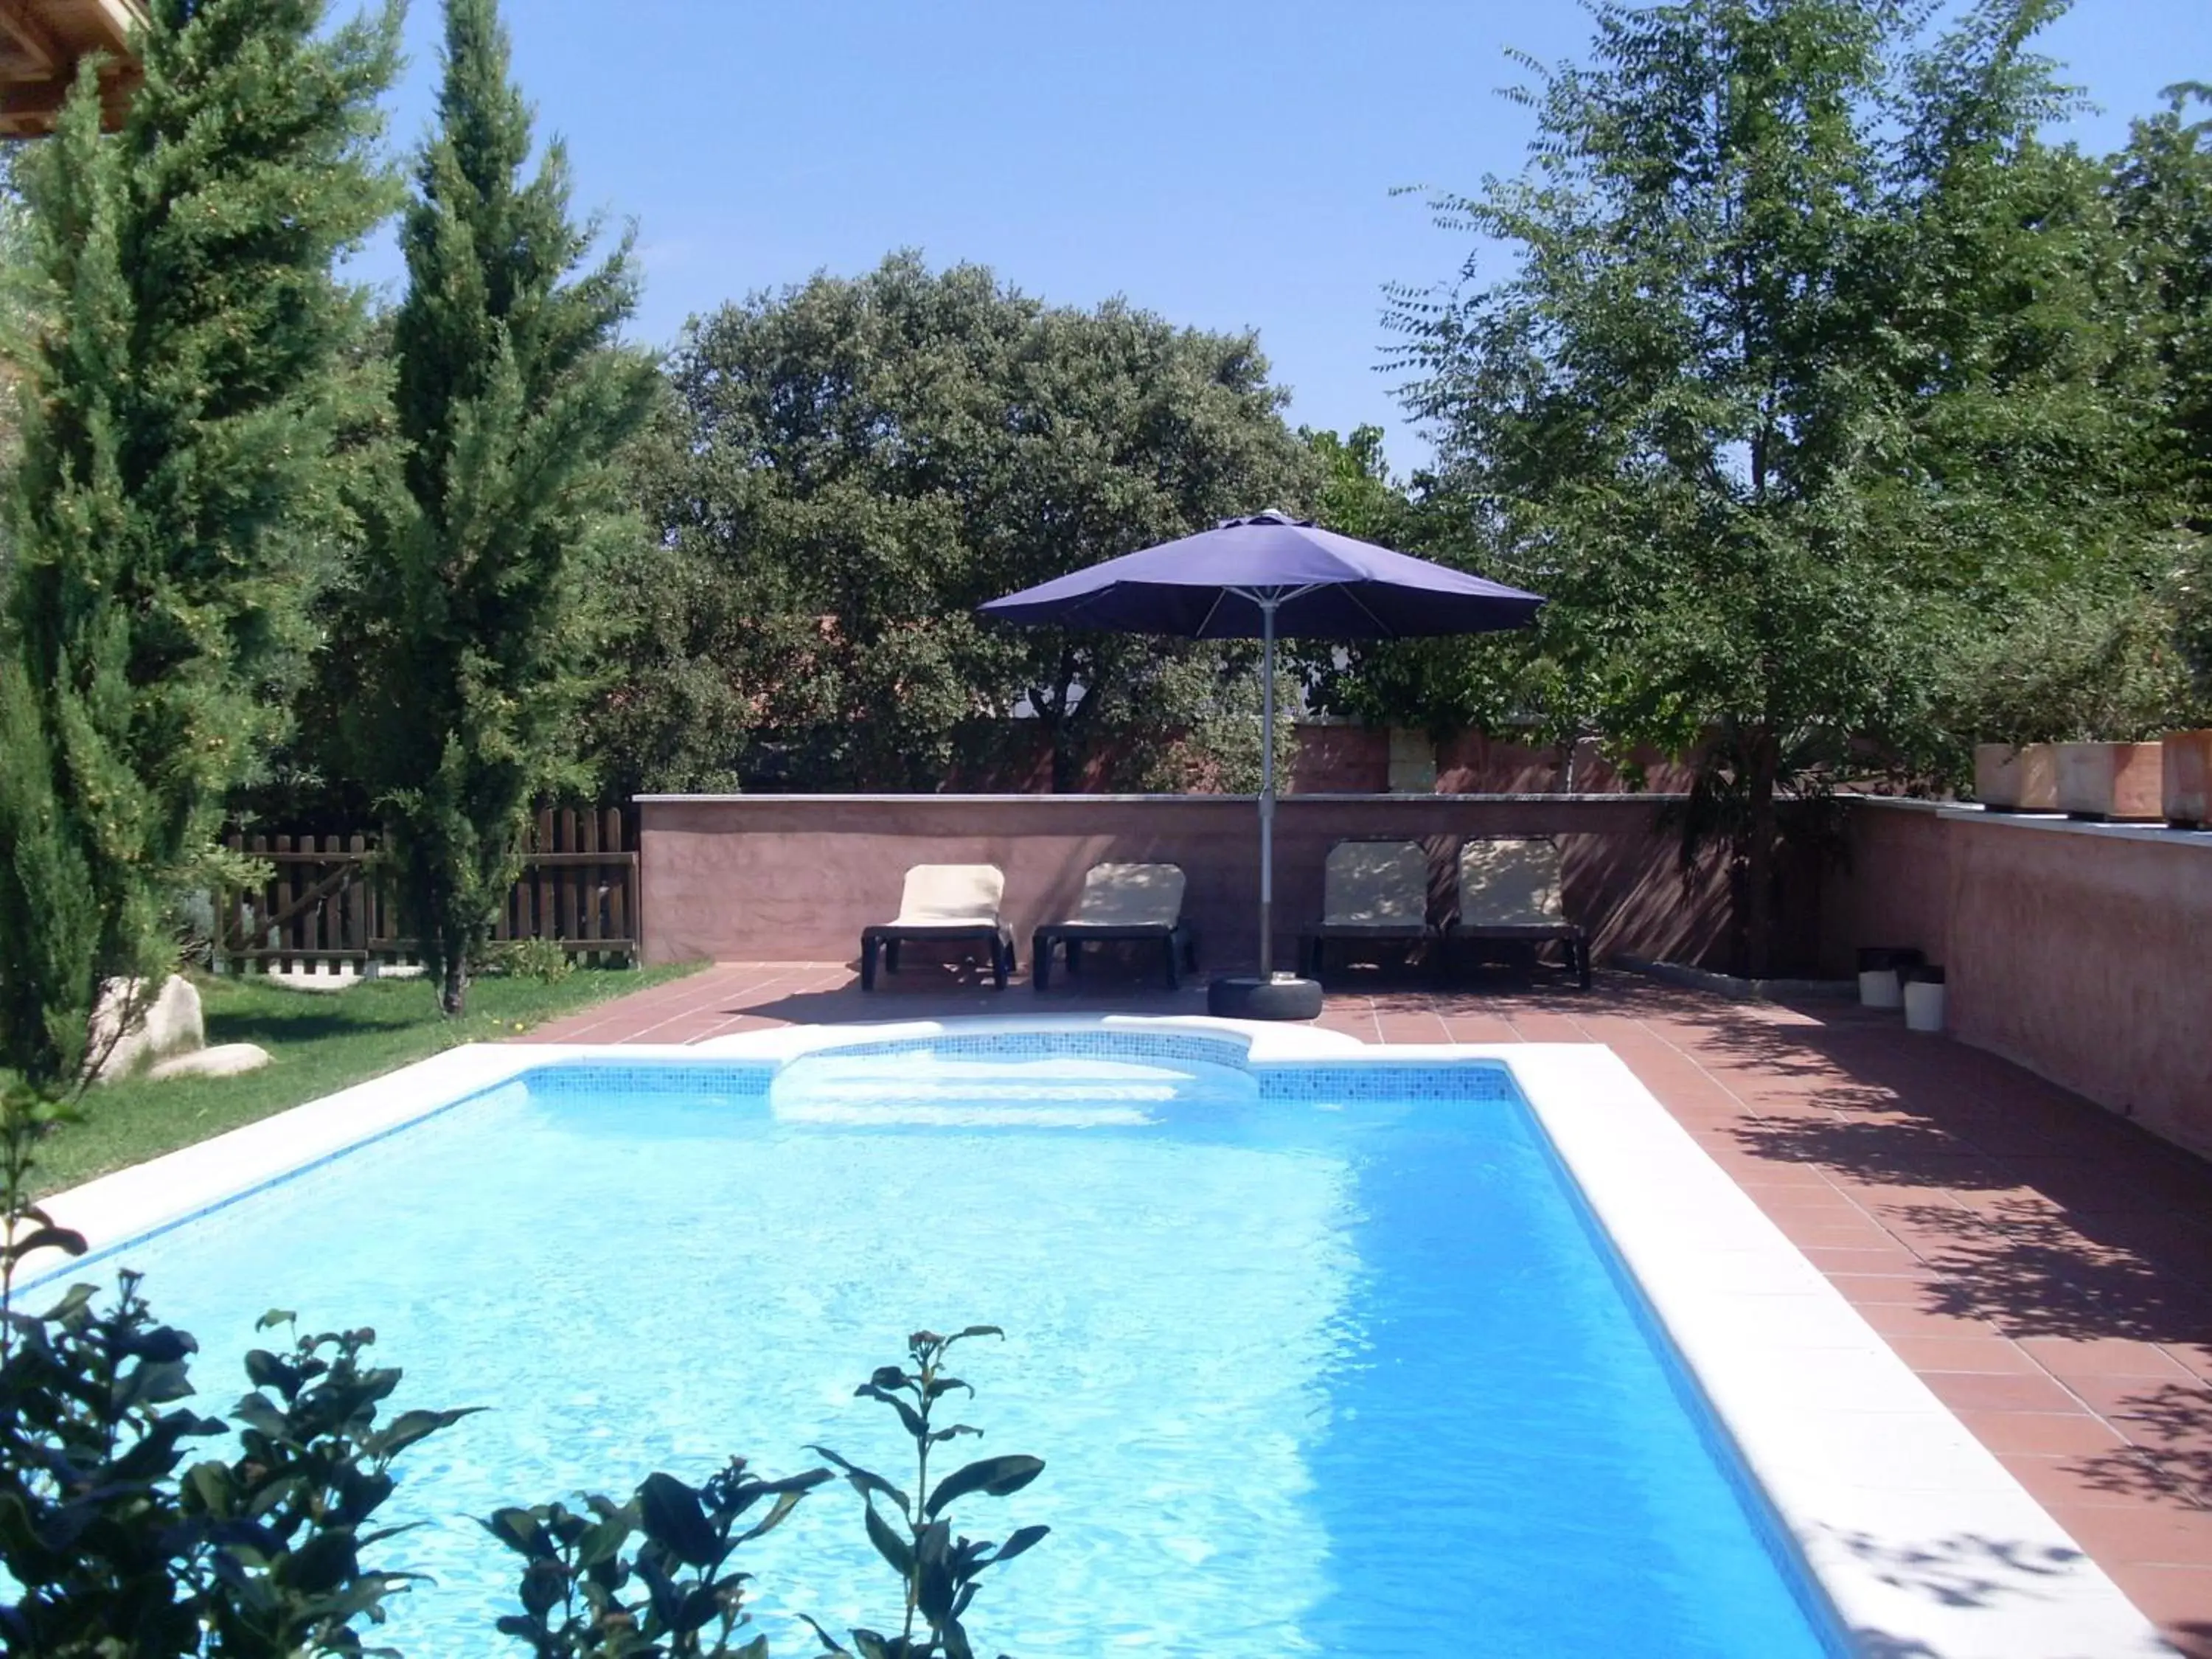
point(1508, 889)
point(946, 903)
point(1141, 901)
point(1373, 891)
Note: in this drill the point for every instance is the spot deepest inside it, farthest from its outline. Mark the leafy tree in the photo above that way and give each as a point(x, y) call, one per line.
point(1493, 682)
point(17, 288)
point(860, 463)
point(187, 404)
point(1356, 493)
point(1806, 370)
point(513, 394)
point(2162, 190)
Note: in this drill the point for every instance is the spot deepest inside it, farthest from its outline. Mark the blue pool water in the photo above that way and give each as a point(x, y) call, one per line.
point(1326, 1374)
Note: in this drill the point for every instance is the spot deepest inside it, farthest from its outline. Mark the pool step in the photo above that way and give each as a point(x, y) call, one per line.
point(1072, 1091)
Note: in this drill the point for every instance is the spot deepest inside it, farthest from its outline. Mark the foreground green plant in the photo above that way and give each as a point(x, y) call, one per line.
point(110, 1544)
point(587, 1593)
point(939, 1570)
point(116, 1546)
point(674, 1597)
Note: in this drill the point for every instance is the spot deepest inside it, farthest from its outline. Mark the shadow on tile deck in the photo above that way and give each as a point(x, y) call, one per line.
point(2045, 1266)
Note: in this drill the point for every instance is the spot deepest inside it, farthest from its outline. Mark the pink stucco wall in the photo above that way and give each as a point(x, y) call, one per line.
point(1891, 885)
point(2082, 952)
point(795, 877)
point(2089, 959)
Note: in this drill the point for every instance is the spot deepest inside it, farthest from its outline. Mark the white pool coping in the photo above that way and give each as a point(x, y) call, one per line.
point(1925, 1544)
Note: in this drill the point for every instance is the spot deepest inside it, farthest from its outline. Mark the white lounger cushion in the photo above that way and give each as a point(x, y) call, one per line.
point(948, 894)
point(1375, 884)
point(1131, 896)
point(1509, 882)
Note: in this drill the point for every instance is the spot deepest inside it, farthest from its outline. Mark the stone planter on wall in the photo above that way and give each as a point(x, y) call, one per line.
point(2022, 780)
point(2123, 782)
point(2188, 778)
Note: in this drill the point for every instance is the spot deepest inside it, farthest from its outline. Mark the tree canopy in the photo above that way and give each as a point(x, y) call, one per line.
point(190, 390)
point(1812, 364)
point(513, 395)
point(851, 465)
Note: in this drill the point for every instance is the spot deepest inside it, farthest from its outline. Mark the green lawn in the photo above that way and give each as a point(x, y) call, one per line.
point(320, 1044)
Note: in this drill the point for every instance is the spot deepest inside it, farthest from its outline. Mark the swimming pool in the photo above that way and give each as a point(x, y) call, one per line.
point(1324, 1358)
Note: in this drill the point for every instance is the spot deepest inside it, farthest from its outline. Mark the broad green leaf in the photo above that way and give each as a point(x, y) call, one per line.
point(997, 1477)
point(670, 1513)
point(897, 1551)
point(1019, 1541)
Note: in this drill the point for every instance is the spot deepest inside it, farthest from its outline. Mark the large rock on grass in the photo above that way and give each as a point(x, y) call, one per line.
point(172, 1024)
point(224, 1059)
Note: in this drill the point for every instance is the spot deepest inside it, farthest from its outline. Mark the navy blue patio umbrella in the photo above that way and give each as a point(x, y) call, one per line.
point(1258, 578)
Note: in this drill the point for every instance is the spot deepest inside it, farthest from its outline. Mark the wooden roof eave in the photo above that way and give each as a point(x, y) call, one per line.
point(43, 42)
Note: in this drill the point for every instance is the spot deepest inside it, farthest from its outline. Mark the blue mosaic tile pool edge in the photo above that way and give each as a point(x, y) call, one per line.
point(1377, 1079)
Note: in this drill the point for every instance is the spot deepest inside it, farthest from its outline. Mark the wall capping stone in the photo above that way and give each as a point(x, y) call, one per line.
point(1282, 802)
point(1957, 811)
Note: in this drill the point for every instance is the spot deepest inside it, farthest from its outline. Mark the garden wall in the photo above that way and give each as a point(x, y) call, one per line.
point(795, 877)
point(2082, 952)
point(1331, 758)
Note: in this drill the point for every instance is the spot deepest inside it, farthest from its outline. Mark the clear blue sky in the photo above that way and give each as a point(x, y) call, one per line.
point(1228, 163)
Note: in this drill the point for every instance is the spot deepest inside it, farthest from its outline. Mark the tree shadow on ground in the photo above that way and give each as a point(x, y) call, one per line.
point(2081, 1228)
point(273, 1027)
point(2057, 1274)
point(1963, 1571)
point(2171, 1461)
point(2045, 1216)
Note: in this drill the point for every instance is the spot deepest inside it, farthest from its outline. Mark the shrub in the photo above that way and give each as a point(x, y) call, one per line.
point(673, 1597)
point(937, 1571)
point(111, 1541)
point(586, 1594)
point(110, 1537)
point(545, 960)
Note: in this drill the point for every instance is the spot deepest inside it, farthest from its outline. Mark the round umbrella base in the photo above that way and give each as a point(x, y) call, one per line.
point(1281, 997)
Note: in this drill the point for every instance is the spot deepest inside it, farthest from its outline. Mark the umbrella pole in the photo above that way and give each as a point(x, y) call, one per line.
point(1266, 786)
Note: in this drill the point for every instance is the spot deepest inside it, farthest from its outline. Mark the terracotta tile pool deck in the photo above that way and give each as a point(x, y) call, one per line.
point(2043, 1264)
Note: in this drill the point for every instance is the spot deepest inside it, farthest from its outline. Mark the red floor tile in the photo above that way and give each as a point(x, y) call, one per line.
point(2104, 1356)
point(1969, 1391)
point(2051, 1434)
point(1986, 1355)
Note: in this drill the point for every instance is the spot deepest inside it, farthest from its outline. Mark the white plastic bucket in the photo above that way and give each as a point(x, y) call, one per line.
point(1924, 1006)
point(1879, 988)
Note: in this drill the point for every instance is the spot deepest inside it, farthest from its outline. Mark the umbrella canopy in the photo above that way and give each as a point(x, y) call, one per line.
point(1259, 578)
point(1222, 583)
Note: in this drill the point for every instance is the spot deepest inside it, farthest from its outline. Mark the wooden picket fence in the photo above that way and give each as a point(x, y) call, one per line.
point(328, 906)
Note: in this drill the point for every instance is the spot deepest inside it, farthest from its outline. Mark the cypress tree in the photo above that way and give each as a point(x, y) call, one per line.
point(186, 402)
point(513, 395)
